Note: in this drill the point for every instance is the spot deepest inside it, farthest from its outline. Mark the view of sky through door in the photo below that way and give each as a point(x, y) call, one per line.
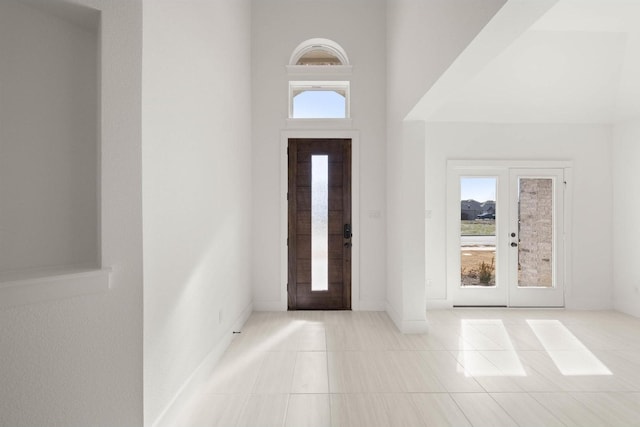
point(478, 231)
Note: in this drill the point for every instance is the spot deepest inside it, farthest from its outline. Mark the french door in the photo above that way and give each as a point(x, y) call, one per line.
point(506, 236)
point(319, 235)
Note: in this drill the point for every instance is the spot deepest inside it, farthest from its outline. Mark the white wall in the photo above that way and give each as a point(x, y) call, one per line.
point(48, 140)
point(588, 146)
point(423, 39)
point(197, 188)
point(278, 27)
point(78, 362)
point(626, 228)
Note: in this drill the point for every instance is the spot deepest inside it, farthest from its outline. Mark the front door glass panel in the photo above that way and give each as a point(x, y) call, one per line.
point(319, 222)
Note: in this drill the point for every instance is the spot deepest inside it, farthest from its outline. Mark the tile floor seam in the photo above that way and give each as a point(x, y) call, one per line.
point(326, 347)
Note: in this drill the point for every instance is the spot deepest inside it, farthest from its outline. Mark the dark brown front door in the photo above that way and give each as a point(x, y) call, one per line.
point(319, 224)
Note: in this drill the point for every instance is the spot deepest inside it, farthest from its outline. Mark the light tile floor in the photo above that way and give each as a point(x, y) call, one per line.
point(475, 367)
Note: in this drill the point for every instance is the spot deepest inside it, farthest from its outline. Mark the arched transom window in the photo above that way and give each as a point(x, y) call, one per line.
point(319, 95)
point(319, 52)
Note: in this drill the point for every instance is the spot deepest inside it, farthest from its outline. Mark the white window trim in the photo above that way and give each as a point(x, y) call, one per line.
point(299, 86)
point(319, 124)
point(319, 44)
point(319, 70)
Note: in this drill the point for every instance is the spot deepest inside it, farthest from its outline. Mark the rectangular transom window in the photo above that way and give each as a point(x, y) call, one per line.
point(319, 100)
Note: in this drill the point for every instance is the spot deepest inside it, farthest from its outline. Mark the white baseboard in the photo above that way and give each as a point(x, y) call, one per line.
point(406, 326)
point(438, 304)
point(393, 314)
point(627, 307)
point(588, 304)
point(200, 374)
point(269, 306)
point(370, 306)
point(280, 306)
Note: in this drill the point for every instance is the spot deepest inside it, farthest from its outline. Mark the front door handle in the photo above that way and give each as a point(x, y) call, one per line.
point(347, 231)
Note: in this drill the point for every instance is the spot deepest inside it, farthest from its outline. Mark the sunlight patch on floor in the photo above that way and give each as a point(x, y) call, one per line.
point(568, 353)
point(475, 364)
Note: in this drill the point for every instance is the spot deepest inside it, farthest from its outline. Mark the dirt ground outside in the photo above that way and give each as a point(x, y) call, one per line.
point(473, 257)
point(471, 260)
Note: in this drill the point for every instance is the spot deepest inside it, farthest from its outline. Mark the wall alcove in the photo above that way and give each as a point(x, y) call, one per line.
point(49, 140)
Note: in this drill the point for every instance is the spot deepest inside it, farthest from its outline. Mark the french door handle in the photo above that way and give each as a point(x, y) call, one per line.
point(514, 244)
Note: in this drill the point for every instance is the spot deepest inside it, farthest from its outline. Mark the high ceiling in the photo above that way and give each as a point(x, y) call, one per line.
point(578, 62)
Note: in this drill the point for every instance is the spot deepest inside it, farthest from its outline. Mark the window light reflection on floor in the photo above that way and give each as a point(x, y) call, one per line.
point(501, 359)
point(568, 353)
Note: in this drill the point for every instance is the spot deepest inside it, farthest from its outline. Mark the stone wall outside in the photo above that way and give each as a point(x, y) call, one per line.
point(535, 258)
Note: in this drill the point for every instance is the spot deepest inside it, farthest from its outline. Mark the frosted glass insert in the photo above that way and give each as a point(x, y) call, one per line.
point(319, 222)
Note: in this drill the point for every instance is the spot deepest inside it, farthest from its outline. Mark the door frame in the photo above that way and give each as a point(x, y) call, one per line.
point(456, 168)
point(354, 136)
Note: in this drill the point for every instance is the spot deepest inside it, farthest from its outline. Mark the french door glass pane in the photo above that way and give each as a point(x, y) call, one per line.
point(535, 232)
point(478, 231)
point(319, 222)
